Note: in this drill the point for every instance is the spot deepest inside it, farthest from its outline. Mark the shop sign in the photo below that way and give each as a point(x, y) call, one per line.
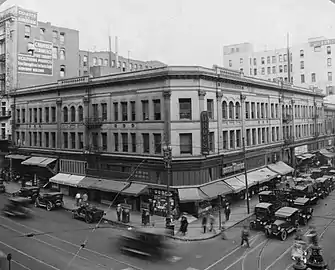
point(322, 42)
point(204, 125)
point(26, 16)
point(234, 168)
point(9, 63)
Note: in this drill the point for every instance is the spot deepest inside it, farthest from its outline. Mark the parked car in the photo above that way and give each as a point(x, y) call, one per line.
point(28, 192)
point(286, 222)
point(17, 207)
point(50, 200)
point(89, 213)
point(2, 186)
point(306, 190)
point(265, 214)
point(323, 186)
point(273, 197)
point(306, 211)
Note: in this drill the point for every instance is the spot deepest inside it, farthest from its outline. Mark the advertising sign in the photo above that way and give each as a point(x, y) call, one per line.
point(40, 62)
point(301, 150)
point(322, 42)
point(204, 124)
point(8, 63)
point(26, 16)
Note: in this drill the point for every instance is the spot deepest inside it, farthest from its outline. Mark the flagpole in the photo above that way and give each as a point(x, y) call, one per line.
point(288, 58)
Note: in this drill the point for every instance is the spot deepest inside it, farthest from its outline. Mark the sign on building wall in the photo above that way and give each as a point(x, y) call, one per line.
point(40, 62)
point(322, 42)
point(8, 63)
point(204, 126)
point(233, 168)
point(300, 150)
point(26, 16)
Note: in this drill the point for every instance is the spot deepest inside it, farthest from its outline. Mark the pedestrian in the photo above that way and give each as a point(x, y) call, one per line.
point(118, 212)
point(183, 225)
point(147, 217)
point(85, 198)
point(223, 234)
point(78, 196)
point(227, 212)
point(211, 223)
point(245, 236)
point(204, 223)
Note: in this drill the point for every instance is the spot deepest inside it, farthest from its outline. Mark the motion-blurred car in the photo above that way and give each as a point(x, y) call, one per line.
point(17, 207)
point(30, 193)
point(89, 213)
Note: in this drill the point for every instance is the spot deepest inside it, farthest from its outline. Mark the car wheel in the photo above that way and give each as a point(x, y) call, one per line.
point(267, 233)
point(283, 235)
point(37, 203)
point(88, 218)
point(49, 206)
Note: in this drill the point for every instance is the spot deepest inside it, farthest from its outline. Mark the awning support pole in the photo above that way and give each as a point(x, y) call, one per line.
point(246, 176)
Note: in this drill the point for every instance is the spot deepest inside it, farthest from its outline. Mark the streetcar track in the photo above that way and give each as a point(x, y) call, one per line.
point(74, 245)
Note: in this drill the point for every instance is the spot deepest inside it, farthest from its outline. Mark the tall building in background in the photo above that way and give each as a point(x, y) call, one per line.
point(310, 64)
point(31, 53)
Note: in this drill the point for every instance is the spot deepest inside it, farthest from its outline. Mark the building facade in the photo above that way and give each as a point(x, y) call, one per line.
point(105, 62)
point(310, 64)
point(32, 52)
point(116, 126)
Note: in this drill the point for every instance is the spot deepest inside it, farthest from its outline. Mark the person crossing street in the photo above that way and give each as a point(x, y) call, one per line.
point(245, 236)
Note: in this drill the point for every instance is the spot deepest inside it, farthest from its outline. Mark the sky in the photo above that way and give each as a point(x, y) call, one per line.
point(187, 32)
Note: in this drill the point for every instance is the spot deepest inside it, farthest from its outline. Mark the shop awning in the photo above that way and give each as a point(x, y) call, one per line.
point(215, 189)
point(38, 161)
point(301, 157)
point(102, 184)
point(258, 176)
point(191, 195)
point(20, 157)
point(135, 189)
point(326, 153)
point(308, 155)
point(235, 184)
point(66, 179)
point(281, 168)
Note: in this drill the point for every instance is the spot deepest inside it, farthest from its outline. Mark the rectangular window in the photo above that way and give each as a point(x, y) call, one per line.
point(273, 134)
point(133, 142)
point(185, 108)
point(238, 138)
point(255, 62)
point(185, 140)
point(329, 62)
point(95, 141)
point(285, 68)
point(23, 112)
point(262, 110)
point(53, 139)
point(35, 138)
point(302, 78)
point(280, 58)
point(329, 50)
point(241, 61)
point(104, 111)
point(302, 64)
point(104, 141)
point(232, 139)
point(46, 114)
point(62, 38)
point(211, 144)
point(285, 57)
point(253, 110)
point(255, 71)
point(133, 110)
point(158, 143)
point(30, 138)
point(95, 109)
point(23, 138)
point(124, 142)
point(280, 69)
point(210, 108)
point(35, 115)
point(268, 60)
point(40, 139)
point(27, 31)
point(146, 143)
point(313, 77)
point(116, 142)
point(54, 52)
point(263, 71)
point(269, 70)
point(277, 133)
point(263, 135)
point(18, 115)
point(73, 140)
point(225, 139)
point(116, 111)
point(274, 71)
point(253, 132)
point(272, 111)
point(330, 76)
point(145, 109)
point(248, 143)
point(157, 109)
point(53, 114)
point(274, 59)
point(80, 140)
point(65, 140)
point(262, 60)
point(54, 36)
point(247, 110)
point(40, 115)
point(124, 111)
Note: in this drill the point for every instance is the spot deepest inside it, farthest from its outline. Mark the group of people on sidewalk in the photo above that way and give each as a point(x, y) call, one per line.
point(81, 198)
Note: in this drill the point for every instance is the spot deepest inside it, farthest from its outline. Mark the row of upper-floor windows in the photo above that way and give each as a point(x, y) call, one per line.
point(55, 34)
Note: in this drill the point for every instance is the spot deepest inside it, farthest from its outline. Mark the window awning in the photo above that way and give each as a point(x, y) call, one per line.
point(191, 195)
point(66, 179)
point(326, 153)
point(20, 157)
point(38, 161)
point(102, 184)
point(258, 176)
point(281, 168)
point(135, 189)
point(215, 189)
point(235, 184)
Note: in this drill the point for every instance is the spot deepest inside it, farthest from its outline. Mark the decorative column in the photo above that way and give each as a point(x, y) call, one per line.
point(292, 135)
point(59, 123)
point(167, 116)
point(219, 95)
point(202, 94)
point(86, 102)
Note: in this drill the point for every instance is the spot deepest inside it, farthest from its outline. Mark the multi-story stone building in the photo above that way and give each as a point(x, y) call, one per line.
point(310, 63)
point(115, 127)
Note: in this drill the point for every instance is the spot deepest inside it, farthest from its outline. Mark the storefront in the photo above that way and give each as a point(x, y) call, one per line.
point(14, 164)
point(193, 201)
point(157, 199)
point(326, 157)
point(136, 193)
point(66, 183)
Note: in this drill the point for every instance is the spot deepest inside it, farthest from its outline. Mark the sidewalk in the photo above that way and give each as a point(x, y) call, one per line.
point(238, 215)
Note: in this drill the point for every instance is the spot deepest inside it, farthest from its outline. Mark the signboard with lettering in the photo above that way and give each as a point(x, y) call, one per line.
point(234, 168)
point(204, 125)
point(322, 42)
point(26, 16)
point(8, 63)
point(39, 62)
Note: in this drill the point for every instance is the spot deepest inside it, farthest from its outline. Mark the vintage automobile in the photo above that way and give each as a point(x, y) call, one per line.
point(2, 186)
point(305, 191)
point(264, 213)
point(89, 213)
point(323, 186)
point(306, 211)
point(28, 192)
point(148, 242)
point(50, 200)
point(17, 207)
point(286, 222)
point(271, 197)
point(284, 197)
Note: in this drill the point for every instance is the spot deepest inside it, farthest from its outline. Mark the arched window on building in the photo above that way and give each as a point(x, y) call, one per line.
point(65, 114)
point(73, 114)
point(80, 113)
point(238, 110)
point(231, 110)
point(224, 110)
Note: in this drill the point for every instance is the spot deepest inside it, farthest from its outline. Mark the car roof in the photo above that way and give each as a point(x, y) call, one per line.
point(301, 187)
point(266, 192)
point(321, 179)
point(263, 205)
point(30, 188)
point(286, 211)
point(19, 199)
point(52, 193)
point(301, 201)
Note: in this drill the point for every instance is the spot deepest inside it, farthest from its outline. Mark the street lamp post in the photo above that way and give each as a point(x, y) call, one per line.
point(167, 150)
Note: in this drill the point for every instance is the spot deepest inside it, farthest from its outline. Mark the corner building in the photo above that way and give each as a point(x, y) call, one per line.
point(114, 128)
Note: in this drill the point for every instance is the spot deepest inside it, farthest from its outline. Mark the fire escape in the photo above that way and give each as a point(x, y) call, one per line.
point(315, 120)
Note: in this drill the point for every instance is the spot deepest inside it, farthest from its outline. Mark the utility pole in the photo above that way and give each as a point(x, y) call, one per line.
point(167, 150)
point(246, 176)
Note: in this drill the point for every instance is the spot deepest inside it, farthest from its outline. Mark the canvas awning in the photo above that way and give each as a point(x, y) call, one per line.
point(215, 189)
point(258, 176)
point(191, 195)
point(66, 179)
point(19, 157)
point(326, 153)
point(235, 184)
point(308, 155)
point(281, 168)
point(135, 189)
point(103, 184)
point(38, 161)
